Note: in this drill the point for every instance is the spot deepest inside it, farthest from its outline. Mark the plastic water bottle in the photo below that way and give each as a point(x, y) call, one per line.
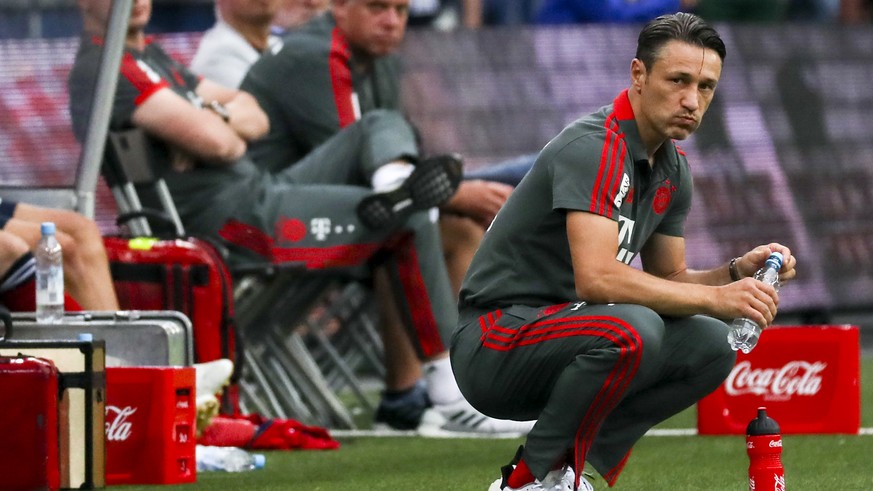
point(227, 459)
point(744, 333)
point(764, 446)
point(49, 277)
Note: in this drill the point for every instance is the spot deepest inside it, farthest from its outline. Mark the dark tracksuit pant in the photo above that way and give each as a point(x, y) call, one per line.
point(307, 213)
point(596, 377)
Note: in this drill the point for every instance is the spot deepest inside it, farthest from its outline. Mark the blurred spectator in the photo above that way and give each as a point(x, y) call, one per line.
point(294, 13)
point(742, 10)
point(445, 15)
point(509, 12)
point(856, 11)
point(608, 11)
point(240, 35)
point(813, 10)
point(86, 268)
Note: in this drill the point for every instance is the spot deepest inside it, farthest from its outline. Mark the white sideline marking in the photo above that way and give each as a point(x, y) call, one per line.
point(397, 433)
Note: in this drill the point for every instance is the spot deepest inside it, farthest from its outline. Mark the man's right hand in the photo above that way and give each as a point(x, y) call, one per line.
point(747, 298)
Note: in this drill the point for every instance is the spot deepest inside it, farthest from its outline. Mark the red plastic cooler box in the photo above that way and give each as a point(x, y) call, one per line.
point(150, 417)
point(808, 377)
point(29, 455)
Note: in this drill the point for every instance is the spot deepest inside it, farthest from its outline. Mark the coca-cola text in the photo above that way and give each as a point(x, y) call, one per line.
point(798, 377)
point(118, 426)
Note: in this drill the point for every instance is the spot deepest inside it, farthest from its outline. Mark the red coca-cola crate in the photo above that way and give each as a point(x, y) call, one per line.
point(808, 377)
point(150, 417)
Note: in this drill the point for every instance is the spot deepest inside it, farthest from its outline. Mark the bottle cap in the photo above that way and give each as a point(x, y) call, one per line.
point(260, 460)
point(762, 425)
point(85, 336)
point(47, 228)
point(776, 258)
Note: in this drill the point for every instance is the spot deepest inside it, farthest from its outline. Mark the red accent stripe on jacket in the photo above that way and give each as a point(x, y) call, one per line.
point(341, 78)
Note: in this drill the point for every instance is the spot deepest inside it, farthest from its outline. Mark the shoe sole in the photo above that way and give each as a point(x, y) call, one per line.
point(435, 425)
point(431, 184)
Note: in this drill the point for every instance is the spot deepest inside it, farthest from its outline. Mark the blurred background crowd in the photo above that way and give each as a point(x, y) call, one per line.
point(58, 18)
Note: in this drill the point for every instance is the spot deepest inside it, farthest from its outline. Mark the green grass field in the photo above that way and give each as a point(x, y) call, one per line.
point(670, 463)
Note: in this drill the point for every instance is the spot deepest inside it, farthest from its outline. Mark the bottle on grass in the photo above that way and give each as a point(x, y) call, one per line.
point(227, 459)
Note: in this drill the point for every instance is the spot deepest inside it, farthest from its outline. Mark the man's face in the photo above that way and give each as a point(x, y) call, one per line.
point(296, 12)
point(676, 90)
point(251, 11)
point(373, 26)
point(98, 11)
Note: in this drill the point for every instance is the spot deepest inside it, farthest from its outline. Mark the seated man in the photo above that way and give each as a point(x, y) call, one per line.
point(313, 212)
point(241, 34)
point(87, 279)
point(333, 70)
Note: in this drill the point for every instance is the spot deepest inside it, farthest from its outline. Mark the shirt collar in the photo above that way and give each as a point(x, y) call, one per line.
point(666, 156)
point(624, 113)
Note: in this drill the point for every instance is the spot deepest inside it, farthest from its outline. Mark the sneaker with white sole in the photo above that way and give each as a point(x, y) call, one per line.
point(563, 479)
point(461, 420)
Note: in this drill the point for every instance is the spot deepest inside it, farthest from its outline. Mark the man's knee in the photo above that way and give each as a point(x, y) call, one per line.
point(647, 326)
point(383, 117)
point(713, 354)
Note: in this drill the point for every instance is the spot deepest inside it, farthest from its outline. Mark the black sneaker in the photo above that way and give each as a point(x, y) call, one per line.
point(402, 411)
point(431, 184)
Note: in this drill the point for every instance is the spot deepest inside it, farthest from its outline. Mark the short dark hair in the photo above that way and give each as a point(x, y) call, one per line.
point(680, 26)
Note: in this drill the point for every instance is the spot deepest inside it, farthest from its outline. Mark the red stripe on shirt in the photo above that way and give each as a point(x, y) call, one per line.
point(341, 78)
point(608, 179)
point(616, 183)
point(604, 207)
point(146, 86)
point(604, 158)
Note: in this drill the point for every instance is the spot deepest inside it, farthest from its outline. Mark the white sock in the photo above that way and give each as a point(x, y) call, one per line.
point(441, 385)
point(391, 175)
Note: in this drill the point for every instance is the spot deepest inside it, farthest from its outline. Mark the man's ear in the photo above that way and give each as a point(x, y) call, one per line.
point(638, 74)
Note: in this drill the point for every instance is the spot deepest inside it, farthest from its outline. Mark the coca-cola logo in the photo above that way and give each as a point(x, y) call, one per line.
point(779, 483)
point(775, 443)
point(801, 378)
point(118, 425)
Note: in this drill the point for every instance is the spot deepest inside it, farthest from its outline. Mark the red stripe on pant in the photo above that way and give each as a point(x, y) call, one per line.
point(612, 475)
point(616, 383)
point(415, 292)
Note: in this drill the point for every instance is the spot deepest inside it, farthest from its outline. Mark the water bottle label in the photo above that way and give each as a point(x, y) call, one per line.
point(50, 287)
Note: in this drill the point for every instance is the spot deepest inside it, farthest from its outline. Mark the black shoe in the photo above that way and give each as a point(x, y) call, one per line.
point(402, 411)
point(431, 184)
